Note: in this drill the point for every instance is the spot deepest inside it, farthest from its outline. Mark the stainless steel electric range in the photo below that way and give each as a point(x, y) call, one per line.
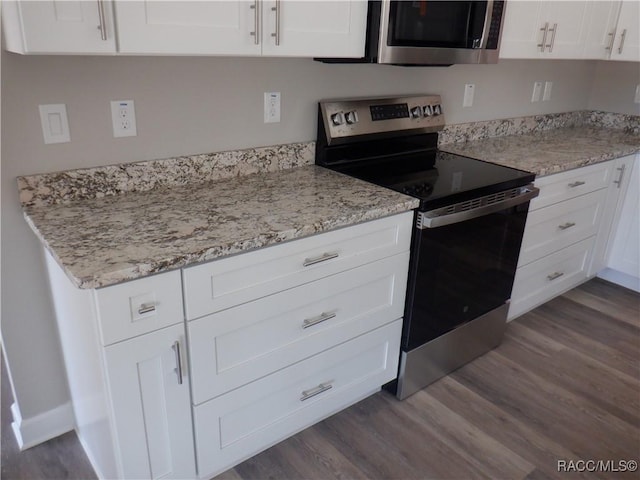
point(467, 234)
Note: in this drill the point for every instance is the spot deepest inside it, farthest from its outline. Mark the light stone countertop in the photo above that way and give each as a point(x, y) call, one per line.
point(103, 241)
point(551, 151)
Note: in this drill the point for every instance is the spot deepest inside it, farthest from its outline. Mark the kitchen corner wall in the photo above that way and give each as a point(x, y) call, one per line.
point(187, 105)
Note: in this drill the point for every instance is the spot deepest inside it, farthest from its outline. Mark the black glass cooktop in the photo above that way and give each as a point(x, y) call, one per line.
point(439, 178)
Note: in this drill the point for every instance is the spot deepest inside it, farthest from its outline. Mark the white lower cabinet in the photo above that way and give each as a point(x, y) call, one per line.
point(243, 422)
point(567, 232)
point(227, 358)
point(622, 258)
point(149, 391)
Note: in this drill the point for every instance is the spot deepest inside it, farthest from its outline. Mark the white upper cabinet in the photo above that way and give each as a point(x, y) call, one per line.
point(270, 27)
point(601, 29)
point(545, 29)
point(314, 28)
point(188, 28)
point(627, 39)
point(62, 26)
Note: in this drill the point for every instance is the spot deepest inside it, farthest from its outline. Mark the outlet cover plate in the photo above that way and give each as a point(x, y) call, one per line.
point(123, 117)
point(271, 107)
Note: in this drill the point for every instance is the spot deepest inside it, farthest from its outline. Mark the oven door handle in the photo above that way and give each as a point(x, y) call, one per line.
point(479, 207)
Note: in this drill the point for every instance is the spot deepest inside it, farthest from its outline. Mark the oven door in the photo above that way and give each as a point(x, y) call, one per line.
point(439, 32)
point(464, 259)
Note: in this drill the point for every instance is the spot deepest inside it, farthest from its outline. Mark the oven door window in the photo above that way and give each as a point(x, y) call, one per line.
point(460, 272)
point(445, 24)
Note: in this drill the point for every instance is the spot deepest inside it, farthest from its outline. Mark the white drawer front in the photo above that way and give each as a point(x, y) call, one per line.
point(248, 420)
point(221, 284)
point(570, 184)
point(550, 276)
point(236, 346)
point(557, 226)
point(140, 306)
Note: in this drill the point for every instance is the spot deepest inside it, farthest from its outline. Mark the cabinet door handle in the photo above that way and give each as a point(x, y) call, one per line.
point(146, 308)
point(307, 394)
point(554, 275)
point(103, 24)
point(553, 37)
point(178, 369)
point(619, 180)
point(613, 37)
point(576, 184)
point(276, 34)
point(566, 225)
point(323, 317)
point(322, 258)
point(256, 23)
point(622, 37)
point(544, 29)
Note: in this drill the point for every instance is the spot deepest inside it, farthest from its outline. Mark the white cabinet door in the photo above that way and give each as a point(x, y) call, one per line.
point(627, 42)
point(314, 28)
point(545, 29)
point(151, 405)
point(188, 27)
point(601, 29)
point(62, 26)
point(624, 247)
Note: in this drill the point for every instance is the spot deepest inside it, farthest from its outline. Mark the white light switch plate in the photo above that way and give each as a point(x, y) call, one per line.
point(55, 125)
point(637, 96)
point(123, 116)
point(546, 96)
point(537, 89)
point(469, 91)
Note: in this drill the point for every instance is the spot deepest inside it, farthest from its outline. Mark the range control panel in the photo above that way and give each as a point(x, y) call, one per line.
point(348, 118)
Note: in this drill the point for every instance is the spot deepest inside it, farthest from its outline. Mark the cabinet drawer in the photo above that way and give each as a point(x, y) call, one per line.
point(236, 346)
point(221, 284)
point(248, 420)
point(550, 276)
point(140, 306)
point(557, 226)
point(571, 184)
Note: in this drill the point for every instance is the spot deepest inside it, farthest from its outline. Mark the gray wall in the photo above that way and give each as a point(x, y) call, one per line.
point(614, 86)
point(194, 105)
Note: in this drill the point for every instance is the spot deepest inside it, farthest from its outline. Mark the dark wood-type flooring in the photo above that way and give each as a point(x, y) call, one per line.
point(564, 385)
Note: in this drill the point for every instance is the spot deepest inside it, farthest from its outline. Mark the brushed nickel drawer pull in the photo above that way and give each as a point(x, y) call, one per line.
point(146, 308)
point(619, 180)
point(554, 275)
point(566, 225)
point(178, 369)
point(553, 37)
point(103, 24)
point(323, 387)
point(610, 46)
point(256, 22)
point(577, 184)
point(544, 29)
point(323, 317)
point(622, 36)
point(322, 258)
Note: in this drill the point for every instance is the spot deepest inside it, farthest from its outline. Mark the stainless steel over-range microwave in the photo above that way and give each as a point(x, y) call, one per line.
point(431, 32)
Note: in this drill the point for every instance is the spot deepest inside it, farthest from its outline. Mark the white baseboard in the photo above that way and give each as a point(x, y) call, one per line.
point(620, 278)
point(30, 432)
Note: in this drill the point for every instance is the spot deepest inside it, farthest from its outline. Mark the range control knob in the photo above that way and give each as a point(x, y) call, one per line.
point(351, 117)
point(415, 112)
point(337, 118)
point(437, 109)
point(427, 110)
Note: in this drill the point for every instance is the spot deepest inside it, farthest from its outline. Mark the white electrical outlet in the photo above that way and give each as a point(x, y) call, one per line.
point(123, 116)
point(537, 88)
point(469, 90)
point(636, 99)
point(271, 107)
point(546, 96)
